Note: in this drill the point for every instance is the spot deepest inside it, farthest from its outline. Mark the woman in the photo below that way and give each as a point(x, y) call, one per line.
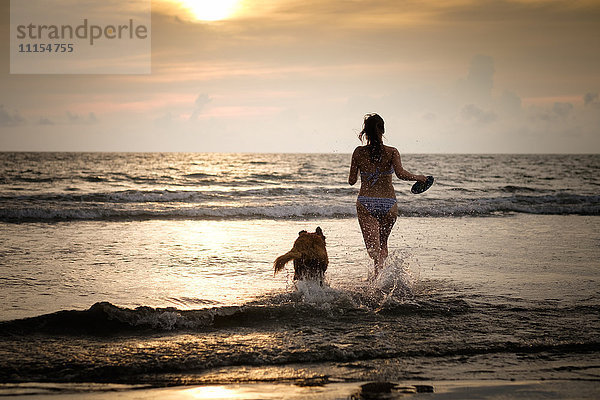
point(376, 205)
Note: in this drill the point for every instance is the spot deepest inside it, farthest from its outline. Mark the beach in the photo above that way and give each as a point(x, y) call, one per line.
point(441, 390)
point(152, 274)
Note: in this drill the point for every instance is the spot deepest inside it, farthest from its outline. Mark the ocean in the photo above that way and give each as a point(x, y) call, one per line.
point(152, 270)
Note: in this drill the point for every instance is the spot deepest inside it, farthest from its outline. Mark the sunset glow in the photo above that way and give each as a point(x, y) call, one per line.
point(462, 76)
point(209, 10)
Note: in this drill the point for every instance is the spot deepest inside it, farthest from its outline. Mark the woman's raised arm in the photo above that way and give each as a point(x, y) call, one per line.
point(403, 174)
point(353, 177)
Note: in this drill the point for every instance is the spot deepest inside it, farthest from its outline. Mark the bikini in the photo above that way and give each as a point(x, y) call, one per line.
point(376, 206)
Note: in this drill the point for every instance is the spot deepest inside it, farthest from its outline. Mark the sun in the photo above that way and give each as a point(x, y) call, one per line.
point(210, 10)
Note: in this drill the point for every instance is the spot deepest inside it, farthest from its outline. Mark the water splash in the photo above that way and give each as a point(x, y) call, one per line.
point(395, 284)
point(316, 296)
point(396, 277)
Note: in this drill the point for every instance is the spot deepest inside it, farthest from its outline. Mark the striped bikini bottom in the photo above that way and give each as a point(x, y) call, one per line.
point(377, 206)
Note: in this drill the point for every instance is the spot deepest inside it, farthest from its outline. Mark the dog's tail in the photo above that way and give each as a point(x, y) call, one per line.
point(285, 258)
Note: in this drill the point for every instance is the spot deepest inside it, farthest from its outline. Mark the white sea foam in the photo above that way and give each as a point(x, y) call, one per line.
point(274, 209)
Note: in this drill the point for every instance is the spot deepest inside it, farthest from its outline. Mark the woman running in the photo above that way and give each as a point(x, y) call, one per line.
point(376, 205)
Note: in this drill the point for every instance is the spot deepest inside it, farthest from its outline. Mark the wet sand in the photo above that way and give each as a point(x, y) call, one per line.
point(471, 389)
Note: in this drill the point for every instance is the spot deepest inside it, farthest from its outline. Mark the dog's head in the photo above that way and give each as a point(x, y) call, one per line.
point(318, 232)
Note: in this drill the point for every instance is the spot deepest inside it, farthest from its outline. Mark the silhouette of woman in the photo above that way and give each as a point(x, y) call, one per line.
point(376, 205)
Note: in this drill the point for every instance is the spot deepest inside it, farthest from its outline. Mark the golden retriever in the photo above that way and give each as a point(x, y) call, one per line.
point(309, 255)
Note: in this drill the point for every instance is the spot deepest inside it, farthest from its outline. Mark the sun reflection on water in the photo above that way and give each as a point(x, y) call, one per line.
point(211, 392)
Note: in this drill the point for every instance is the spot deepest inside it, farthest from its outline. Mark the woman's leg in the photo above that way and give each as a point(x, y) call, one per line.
point(370, 228)
point(385, 228)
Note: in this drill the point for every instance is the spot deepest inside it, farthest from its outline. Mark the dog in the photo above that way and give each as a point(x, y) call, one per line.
point(309, 255)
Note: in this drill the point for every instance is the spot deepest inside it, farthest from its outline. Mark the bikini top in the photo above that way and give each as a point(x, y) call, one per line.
point(373, 177)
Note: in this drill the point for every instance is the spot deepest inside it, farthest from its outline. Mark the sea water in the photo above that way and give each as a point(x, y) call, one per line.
point(158, 269)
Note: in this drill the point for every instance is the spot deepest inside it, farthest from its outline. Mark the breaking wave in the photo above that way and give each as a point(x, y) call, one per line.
point(157, 205)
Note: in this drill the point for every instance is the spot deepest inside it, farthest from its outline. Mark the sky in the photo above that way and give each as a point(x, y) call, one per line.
point(456, 76)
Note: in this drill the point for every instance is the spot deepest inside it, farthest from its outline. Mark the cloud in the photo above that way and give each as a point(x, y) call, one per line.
point(79, 119)
point(471, 112)
point(10, 118)
point(563, 110)
point(201, 101)
point(45, 121)
point(509, 103)
point(591, 99)
point(477, 86)
point(72, 117)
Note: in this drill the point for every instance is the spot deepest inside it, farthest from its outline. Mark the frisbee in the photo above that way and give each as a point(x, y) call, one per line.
point(420, 187)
